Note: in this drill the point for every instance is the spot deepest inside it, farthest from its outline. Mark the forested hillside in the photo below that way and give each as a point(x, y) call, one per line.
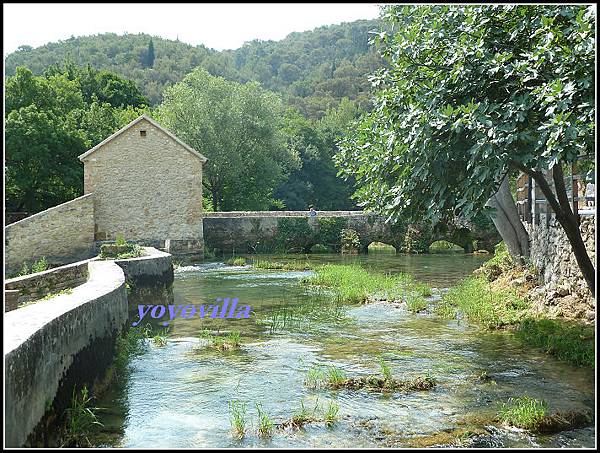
point(313, 70)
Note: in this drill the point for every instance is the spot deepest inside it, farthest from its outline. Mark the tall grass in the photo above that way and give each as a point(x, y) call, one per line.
point(236, 261)
point(237, 418)
point(354, 284)
point(479, 303)
point(523, 412)
point(287, 266)
point(566, 340)
point(265, 424)
point(81, 420)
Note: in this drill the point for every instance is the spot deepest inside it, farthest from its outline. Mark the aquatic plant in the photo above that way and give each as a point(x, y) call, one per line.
point(335, 376)
point(236, 261)
point(287, 266)
point(130, 343)
point(237, 418)
point(415, 302)
point(481, 304)
point(81, 420)
point(303, 416)
point(566, 340)
point(160, 338)
point(222, 343)
point(524, 412)
point(331, 414)
point(315, 377)
point(265, 424)
point(353, 283)
point(385, 370)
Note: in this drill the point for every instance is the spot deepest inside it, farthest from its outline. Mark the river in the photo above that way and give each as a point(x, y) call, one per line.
point(177, 395)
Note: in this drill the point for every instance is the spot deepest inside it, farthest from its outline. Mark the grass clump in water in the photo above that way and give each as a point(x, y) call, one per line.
point(237, 418)
point(523, 412)
point(288, 266)
point(265, 424)
point(331, 414)
point(495, 308)
point(236, 261)
point(335, 378)
point(233, 340)
point(354, 284)
point(160, 338)
point(416, 303)
point(318, 414)
point(568, 341)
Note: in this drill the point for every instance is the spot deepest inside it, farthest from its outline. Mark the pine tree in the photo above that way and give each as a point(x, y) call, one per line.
point(150, 54)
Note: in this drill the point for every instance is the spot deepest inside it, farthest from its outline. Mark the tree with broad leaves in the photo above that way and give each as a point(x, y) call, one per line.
point(473, 95)
point(238, 128)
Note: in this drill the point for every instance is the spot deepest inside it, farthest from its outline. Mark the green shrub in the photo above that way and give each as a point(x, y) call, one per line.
point(350, 241)
point(122, 250)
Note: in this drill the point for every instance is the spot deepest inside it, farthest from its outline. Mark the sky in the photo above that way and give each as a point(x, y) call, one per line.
point(218, 26)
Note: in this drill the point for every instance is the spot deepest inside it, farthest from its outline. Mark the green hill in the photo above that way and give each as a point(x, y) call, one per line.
point(313, 70)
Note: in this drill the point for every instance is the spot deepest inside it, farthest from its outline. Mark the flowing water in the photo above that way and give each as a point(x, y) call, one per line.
point(177, 395)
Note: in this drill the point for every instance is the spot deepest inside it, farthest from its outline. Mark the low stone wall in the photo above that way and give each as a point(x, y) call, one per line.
point(56, 343)
point(154, 268)
point(61, 234)
point(36, 286)
point(564, 288)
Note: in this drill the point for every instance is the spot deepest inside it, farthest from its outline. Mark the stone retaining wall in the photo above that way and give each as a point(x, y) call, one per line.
point(63, 342)
point(36, 286)
point(44, 340)
point(61, 234)
point(552, 256)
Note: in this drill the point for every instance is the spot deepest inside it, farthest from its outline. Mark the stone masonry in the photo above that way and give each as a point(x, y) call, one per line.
point(61, 234)
point(147, 186)
point(564, 291)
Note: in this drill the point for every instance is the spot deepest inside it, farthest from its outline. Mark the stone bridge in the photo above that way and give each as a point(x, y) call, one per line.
point(295, 231)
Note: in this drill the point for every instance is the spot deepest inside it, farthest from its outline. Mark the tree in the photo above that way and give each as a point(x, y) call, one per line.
point(150, 55)
point(474, 94)
point(237, 127)
point(50, 120)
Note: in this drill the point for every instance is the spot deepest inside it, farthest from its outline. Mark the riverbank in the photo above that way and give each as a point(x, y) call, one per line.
point(502, 295)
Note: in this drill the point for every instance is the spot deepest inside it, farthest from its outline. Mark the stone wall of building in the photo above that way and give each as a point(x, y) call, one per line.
point(564, 290)
point(61, 234)
point(147, 187)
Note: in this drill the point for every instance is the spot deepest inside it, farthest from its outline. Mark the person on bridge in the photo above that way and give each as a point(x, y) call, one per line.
point(312, 211)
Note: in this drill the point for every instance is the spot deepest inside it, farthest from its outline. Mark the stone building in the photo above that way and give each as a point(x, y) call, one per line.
point(142, 183)
point(147, 187)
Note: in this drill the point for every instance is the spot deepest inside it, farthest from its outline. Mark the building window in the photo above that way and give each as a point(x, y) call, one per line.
point(142, 133)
